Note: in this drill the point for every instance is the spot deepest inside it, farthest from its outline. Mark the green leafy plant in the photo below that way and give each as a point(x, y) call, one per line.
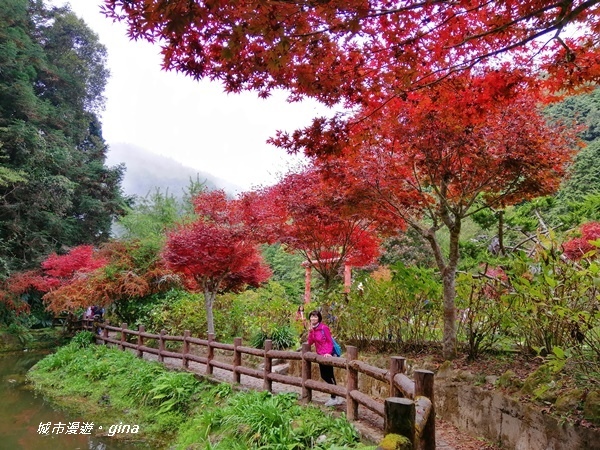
point(21, 332)
point(283, 337)
point(261, 420)
point(172, 391)
point(393, 309)
point(83, 339)
point(484, 312)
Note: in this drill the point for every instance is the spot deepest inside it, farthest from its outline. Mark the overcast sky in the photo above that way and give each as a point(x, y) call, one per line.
point(194, 123)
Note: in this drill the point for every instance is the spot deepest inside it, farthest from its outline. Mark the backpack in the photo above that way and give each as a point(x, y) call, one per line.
point(337, 350)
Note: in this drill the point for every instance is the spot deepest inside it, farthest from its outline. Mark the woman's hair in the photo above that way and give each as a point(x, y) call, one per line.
point(300, 308)
point(317, 314)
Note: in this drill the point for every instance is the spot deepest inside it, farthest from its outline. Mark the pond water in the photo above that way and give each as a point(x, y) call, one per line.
point(22, 412)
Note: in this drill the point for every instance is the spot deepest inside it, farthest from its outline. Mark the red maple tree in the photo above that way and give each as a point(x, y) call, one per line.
point(56, 272)
point(442, 153)
point(128, 277)
point(315, 217)
point(217, 252)
point(356, 49)
point(429, 137)
point(60, 269)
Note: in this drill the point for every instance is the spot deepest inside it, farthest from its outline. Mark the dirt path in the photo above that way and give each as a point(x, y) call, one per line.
point(370, 425)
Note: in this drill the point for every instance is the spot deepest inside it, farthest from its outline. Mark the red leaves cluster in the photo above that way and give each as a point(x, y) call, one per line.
point(81, 259)
point(315, 216)
point(441, 148)
point(59, 273)
point(354, 50)
point(217, 252)
point(80, 279)
point(576, 248)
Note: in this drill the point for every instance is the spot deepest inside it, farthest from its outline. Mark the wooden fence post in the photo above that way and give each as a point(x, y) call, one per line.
point(351, 384)
point(123, 328)
point(186, 349)
point(161, 345)
point(140, 341)
point(237, 359)
point(399, 417)
point(306, 374)
point(424, 387)
point(105, 335)
point(211, 354)
point(397, 365)
point(268, 367)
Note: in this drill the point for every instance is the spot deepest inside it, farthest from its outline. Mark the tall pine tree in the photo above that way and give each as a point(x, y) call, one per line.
point(55, 190)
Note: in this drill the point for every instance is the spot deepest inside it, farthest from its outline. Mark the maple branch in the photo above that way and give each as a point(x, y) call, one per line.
point(507, 25)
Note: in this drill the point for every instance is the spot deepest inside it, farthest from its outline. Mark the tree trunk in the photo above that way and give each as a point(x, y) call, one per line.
point(449, 287)
point(209, 299)
point(448, 271)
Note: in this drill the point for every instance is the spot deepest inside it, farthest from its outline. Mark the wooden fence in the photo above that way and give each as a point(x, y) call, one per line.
point(409, 411)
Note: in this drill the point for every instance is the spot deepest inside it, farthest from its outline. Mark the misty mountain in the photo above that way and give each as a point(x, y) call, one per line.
point(147, 171)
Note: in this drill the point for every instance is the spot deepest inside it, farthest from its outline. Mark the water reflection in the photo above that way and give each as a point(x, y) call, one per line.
point(22, 412)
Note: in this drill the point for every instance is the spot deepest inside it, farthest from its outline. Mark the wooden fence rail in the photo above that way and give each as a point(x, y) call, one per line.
point(408, 411)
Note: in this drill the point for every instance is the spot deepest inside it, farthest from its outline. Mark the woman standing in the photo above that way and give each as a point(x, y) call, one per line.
point(320, 335)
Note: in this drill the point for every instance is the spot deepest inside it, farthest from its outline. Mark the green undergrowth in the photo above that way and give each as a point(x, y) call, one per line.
point(175, 409)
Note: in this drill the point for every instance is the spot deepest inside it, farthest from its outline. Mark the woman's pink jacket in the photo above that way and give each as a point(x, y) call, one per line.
point(321, 337)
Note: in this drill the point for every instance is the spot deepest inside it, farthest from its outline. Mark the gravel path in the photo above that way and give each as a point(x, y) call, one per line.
point(370, 425)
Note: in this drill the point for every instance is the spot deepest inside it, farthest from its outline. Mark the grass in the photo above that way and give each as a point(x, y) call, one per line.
point(175, 410)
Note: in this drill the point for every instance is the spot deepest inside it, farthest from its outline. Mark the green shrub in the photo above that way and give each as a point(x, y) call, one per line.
point(173, 391)
point(283, 337)
point(21, 332)
point(485, 313)
point(261, 420)
point(83, 339)
point(393, 310)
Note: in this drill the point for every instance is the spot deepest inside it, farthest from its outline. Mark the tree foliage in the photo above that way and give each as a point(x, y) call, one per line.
point(578, 199)
point(586, 245)
point(55, 189)
point(112, 277)
point(58, 273)
point(431, 160)
point(354, 50)
point(312, 215)
point(215, 253)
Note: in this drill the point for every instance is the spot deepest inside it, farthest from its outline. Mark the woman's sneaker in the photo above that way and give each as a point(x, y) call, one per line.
point(331, 402)
point(334, 401)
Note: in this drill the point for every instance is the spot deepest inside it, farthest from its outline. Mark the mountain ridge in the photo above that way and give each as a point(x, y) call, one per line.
point(147, 171)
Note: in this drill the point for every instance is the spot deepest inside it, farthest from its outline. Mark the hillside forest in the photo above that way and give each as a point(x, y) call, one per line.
point(466, 206)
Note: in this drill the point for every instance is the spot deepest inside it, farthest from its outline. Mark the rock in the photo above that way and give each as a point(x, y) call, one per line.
point(282, 369)
point(542, 376)
point(508, 379)
point(491, 379)
point(395, 442)
point(591, 407)
point(569, 401)
point(445, 370)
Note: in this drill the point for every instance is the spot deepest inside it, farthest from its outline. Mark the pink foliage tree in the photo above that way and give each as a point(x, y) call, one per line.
point(217, 252)
point(575, 249)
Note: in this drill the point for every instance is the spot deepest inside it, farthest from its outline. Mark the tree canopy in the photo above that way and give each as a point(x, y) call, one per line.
point(55, 191)
point(216, 252)
point(353, 50)
point(312, 216)
point(442, 153)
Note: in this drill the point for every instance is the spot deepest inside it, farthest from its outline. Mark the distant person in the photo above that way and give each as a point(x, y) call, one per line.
point(300, 314)
point(98, 313)
point(320, 335)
